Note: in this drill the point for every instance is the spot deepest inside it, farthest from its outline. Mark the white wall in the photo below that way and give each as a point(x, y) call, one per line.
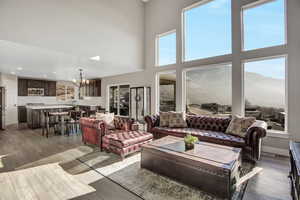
point(10, 83)
point(111, 29)
point(165, 15)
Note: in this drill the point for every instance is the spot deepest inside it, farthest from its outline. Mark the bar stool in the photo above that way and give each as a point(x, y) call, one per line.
point(49, 122)
point(60, 118)
point(73, 125)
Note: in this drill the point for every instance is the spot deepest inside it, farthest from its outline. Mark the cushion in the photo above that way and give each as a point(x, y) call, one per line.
point(128, 138)
point(164, 119)
point(107, 118)
point(177, 120)
point(204, 135)
point(239, 125)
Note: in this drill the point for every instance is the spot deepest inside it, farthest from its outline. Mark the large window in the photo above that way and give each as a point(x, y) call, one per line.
point(166, 49)
point(264, 24)
point(208, 90)
point(167, 92)
point(265, 91)
point(119, 100)
point(207, 30)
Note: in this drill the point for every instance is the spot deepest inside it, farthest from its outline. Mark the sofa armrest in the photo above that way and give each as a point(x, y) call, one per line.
point(255, 133)
point(152, 121)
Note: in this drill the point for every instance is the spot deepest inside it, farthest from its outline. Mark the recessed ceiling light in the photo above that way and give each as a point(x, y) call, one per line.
point(19, 68)
point(95, 58)
point(13, 73)
point(54, 72)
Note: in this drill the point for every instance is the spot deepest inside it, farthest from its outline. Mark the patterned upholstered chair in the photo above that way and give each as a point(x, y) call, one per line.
point(124, 138)
point(91, 131)
point(212, 129)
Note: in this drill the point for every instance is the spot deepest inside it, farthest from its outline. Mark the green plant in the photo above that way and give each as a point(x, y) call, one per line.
point(189, 139)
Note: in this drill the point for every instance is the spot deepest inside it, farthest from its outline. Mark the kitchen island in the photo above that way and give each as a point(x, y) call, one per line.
point(35, 117)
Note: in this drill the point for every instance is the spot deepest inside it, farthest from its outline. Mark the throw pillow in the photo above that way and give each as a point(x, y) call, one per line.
point(239, 125)
point(107, 118)
point(164, 119)
point(177, 120)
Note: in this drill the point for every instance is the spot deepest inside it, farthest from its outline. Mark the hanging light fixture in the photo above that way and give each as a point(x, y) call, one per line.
point(80, 83)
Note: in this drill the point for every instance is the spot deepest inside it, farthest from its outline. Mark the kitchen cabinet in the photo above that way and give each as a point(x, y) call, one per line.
point(48, 86)
point(22, 87)
point(22, 114)
point(35, 83)
point(93, 89)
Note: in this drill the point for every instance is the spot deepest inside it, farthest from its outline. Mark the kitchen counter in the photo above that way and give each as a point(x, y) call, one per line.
point(35, 117)
point(49, 107)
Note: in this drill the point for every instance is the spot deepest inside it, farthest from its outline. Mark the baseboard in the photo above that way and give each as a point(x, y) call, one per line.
point(276, 151)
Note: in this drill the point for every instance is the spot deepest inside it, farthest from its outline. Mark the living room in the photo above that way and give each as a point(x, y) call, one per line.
point(157, 71)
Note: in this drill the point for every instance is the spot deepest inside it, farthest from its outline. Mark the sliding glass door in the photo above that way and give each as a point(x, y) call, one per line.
point(119, 100)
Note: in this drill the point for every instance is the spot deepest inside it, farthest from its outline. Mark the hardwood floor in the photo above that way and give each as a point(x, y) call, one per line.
point(22, 147)
point(19, 147)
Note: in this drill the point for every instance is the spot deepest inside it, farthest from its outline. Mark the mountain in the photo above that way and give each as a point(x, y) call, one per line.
point(214, 86)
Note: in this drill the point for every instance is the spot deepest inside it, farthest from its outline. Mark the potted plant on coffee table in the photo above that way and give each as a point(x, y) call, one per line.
point(190, 141)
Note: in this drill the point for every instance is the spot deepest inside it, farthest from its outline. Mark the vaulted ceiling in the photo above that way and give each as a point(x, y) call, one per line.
point(53, 39)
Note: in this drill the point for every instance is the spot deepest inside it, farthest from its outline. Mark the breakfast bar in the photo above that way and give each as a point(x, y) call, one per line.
point(35, 116)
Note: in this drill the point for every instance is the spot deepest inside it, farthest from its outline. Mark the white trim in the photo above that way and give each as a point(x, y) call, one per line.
point(276, 151)
point(200, 3)
point(157, 53)
point(157, 79)
point(278, 134)
point(256, 3)
point(183, 31)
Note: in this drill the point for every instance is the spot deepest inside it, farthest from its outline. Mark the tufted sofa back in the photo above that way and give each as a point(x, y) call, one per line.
point(208, 123)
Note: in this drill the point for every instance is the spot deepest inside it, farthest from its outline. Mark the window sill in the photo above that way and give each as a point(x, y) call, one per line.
point(278, 134)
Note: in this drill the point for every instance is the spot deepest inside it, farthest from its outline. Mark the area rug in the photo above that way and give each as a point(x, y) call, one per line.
point(43, 182)
point(149, 185)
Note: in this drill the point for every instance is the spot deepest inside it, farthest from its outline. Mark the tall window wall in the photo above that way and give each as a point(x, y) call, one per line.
point(167, 91)
point(208, 90)
point(258, 70)
point(265, 91)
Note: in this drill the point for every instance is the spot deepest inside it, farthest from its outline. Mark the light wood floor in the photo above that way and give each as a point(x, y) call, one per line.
point(22, 146)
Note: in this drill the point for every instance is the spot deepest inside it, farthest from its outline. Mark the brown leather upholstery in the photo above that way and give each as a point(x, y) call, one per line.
point(212, 129)
point(126, 142)
point(204, 135)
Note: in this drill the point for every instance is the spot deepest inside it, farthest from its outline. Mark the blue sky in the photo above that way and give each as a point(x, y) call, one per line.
point(208, 34)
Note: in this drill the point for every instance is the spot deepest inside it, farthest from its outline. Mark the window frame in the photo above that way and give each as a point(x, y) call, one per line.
point(118, 103)
point(183, 34)
point(184, 71)
point(285, 56)
point(157, 52)
point(257, 3)
point(157, 83)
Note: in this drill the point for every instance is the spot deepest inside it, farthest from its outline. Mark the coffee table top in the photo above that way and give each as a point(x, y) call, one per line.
point(209, 153)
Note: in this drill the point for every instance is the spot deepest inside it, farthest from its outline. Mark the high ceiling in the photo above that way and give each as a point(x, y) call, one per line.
point(53, 39)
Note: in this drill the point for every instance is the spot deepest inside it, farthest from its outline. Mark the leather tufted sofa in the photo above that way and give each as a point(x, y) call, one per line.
point(124, 138)
point(212, 129)
point(91, 131)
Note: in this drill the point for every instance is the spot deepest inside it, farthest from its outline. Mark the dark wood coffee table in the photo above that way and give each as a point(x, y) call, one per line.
point(211, 168)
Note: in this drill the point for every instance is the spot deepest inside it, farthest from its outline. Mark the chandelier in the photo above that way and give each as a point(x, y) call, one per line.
point(80, 83)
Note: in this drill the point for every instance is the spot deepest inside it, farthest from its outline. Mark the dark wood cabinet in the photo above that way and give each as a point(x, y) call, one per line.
point(22, 87)
point(22, 114)
point(35, 83)
point(92, 89)
point(52, 88)
point(48, 86)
